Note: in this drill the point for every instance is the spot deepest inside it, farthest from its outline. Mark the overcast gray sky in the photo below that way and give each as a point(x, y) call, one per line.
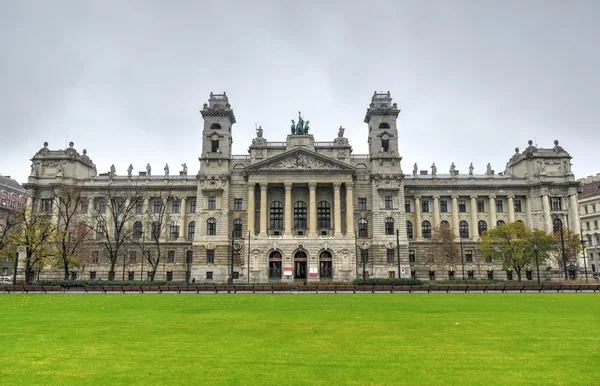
point(125, 79)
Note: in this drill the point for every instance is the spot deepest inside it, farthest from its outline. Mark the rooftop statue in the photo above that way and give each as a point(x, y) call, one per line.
point(184, 168)
point(148, 170)
point(471, 169)
point(166, 170)
point(433, 169)
point(129, 170)
point(341, 132)
point(259, 132)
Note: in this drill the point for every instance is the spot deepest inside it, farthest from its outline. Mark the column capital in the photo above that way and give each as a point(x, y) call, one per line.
point(312, 185)
point(455, 196)
point(288, 186)
point(417, 196)
point(436, 197)
point(337, 185)
point(250, 185)
point(492, 196)
point(474, 196)
point(511, 196)
point(263, 186)
point(349, 185)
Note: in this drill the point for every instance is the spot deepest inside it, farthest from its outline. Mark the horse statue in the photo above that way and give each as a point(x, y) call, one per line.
point(293, 127)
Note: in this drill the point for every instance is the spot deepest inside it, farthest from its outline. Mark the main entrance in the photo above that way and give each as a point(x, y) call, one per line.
point(300, 265)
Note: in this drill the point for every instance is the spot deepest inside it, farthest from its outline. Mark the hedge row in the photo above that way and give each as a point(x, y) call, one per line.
point(89, 283)
point(384, 281)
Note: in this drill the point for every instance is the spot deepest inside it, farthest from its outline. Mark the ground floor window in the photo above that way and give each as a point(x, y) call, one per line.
point(413, 274)
point(169, 276)
point(275, 266)
point(431, 275)
point(130, 275)
point(392, 274)
point(451, 275)
point(528, 275)
point(490, 275)
point(471, 274)
point(92, 275)
point(509, 275)
point(325, 265)
point(73, 275)
point(572, 274)
point(209, 275)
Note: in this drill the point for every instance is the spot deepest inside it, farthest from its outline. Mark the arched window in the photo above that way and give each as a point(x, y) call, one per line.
point(389, 226)
point(500, 222)
point(191, 230)
point(237, 228)
point(556, 225)
point(300, 215)
point(276, 215)
point(325, 265)
point(426, 229)
point(463, 228)
point(384, 125)
point(363, 228)
point(215, 126)
point(211, 227)
point(444, 223)
point(275, 265)
point(174, 230)
point(137, 230)
point(323, 215)
point(155, 230)
point(409, 230)
point(481, 227)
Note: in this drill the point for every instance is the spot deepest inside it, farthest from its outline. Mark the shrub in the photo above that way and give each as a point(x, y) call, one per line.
point(89, 283)
point(384, 281)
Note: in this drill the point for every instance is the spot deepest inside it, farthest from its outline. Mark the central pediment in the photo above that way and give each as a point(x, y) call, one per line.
point(301, 160)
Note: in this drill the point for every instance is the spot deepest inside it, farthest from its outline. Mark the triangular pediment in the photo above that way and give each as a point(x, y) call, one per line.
point(301, 160)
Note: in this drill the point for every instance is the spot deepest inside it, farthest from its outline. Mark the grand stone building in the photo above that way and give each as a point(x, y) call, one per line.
point(300, 209)
point(589, 210)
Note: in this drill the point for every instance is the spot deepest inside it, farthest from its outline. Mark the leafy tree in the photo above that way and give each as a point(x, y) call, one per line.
point(7, 245)
point(70, 232)
point(35, 234)
point(513, 245)
point(445, 250)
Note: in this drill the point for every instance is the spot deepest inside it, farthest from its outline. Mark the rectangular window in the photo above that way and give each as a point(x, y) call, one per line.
point(175, 206)
point(391, 274)
point(451, 275)
point(585, 209)
point(46, 205)
point(212, 202)
point(407, 206)
point(169, 276)
point(101, 206)
point(499, 206)
point(431, 275)
point(132, 257)
point(471, 274)
point(388, 202)
point(462, 206)
point(84, 206)
point(490, 275)
point(210, 255)
point(597, 240)
point(139, 206)
point(587, 225)
point(209, 275)
point(92, 275)
point(413, 275)
point(385, 145)
point(528, 275)
point(192, 206)
point(509, 275)
point(411, 256)
point(237, 204)
point(131, 275)
point(469, 256)
point(235, 275)
point(595, 224)
point(362, 204)
point(170, 257)
point(444, 206)
point(214, 146)
point(390, 255)
point(556, 203)
point(480, 206)
point(425, 206)
point(189, 257)
point(594, 208)
point(517, 204)
point(157, 206)
point(95, 257)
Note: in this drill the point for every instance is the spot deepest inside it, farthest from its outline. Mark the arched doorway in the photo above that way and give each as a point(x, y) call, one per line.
point(325, 266)
point(300, 265)
point(275, 266)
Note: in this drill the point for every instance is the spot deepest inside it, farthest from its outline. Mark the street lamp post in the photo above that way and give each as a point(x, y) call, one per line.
point(583, 249)
point(564, 255)
point(462, 256)
point(230, 281)
point(398, 252)
point(537, 262)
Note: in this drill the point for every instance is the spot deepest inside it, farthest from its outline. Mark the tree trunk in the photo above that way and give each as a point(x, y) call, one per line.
point(15, 268)
point(27, 270)
point(518, 274)
point(66, 267)
point(152, 273)
point(111, 271)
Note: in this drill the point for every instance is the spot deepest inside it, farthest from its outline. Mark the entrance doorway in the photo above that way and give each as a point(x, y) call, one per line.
point(300, 265)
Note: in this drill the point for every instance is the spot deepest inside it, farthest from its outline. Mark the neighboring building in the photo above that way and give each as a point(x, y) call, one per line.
point(301, 209)
point(12, 199)
point(589, 211)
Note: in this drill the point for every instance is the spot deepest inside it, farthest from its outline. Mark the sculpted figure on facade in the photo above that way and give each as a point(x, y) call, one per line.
point(259, 132)
point(530, 149)
point(433, 170)
point(489, 171)
point(452, 169)
point(557, 148)
point(148, 170)
point(113, 171)
point(471, 169)
point(129, 170)
point(35, 169)
point(166, 170)
point(293, 127)
point(184, 166)
point(415, 170)
point(341, 132)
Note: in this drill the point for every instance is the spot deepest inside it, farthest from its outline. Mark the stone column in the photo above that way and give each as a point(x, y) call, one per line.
point(546, 209)
point(251, 208)
point(511, 209)
point(312, 205)
point(417, 226)
point(455, 215)
point(337, 217)
point(475, 228)
point(182, 218)
point(287, 214)
point(263, 209)
point(528, 212)
point(574, 213)
point(349, 210)
point(436, 211)
point(492, 212)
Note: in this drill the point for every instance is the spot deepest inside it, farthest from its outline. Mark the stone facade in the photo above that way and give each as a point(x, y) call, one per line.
point(12, 199)
point(303, 210)
point(589, 211)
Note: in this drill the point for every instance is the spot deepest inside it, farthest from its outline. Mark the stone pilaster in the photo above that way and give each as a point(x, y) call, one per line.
point(287, 215)
point(573, 212)
point(182, 218)
point(492, 212)
point(455, 215)
point(251, 209)
point(337, 217)
point(312, 217)
point(349, 210)
point(263, 208)
point(417, 227)
point(546, 209)
point(511, 209)
point(436, 211)
point(474, 226)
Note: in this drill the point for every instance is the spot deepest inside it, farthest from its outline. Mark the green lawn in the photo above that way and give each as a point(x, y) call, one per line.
point(417, 339)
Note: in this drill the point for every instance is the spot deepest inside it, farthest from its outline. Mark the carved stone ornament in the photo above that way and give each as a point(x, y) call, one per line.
point(259, 141)
point(301, 161)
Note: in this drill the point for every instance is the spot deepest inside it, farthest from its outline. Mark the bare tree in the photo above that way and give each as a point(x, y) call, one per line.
point(70, 235)
point(444, 247)
point(157, 220)
point(7, 245)
point(35, 234)
point(109, 217)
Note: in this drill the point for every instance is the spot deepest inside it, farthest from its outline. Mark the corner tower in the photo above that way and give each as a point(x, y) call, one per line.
point(216, 135)
point(383, 134)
